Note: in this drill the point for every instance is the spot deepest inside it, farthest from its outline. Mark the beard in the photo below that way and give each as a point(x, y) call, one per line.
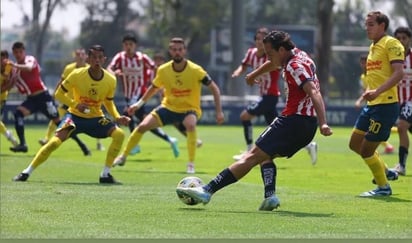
point(177, 59)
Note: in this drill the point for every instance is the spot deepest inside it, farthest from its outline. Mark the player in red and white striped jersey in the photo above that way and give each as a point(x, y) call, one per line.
point(132, 68)
point(269, 94)
point(28, 81)
point(404, 35)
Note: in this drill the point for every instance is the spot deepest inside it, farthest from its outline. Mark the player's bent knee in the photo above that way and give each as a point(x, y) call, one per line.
point(117, 134)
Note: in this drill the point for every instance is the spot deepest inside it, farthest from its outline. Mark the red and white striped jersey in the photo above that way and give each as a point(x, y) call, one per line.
point(405, 86)
point(29, 82)
point(268, 81)
point(299, 69)
point(136, 74)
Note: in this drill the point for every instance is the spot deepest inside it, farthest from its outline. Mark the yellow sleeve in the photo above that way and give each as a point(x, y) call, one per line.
point(111, 108)
point(61, 96)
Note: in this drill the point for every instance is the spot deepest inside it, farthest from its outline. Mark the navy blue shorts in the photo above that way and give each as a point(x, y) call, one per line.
point(167, 116)
point(377, 121)
point(97, 127)
point(287, 134)
point(42, 103)
point(266, 106)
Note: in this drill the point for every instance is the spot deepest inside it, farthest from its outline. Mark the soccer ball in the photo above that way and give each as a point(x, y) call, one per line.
point(190, 181)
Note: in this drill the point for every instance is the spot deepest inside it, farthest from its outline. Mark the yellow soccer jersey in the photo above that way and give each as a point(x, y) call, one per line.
point(4, 76)
point(182, 90)
point(89, 91)
point(378, 67)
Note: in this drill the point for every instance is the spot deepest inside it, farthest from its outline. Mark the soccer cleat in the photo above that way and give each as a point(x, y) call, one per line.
point(11, 139)
point(19, 148)
point(389, 149)
point(239, 156)
point(199, 143)
point(21, 177)
point(401, 170)
point(379, 191)
point(135, 150)
point(197, 193)
point(391, 175)
point(109, 179)
point(43, 141)
point(87, 152)
point(313, 152)
point(175, 148)
point(100, 147)
point(119, 160)
point(270, 203)
point(190, 169)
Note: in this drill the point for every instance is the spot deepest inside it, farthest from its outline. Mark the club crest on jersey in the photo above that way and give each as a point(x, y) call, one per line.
point(92, 92)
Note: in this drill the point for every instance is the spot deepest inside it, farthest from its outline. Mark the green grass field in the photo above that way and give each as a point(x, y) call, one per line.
point(63, 199)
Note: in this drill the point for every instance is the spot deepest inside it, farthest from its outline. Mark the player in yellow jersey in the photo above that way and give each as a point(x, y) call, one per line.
point(389, 149)
point(80, 57)
point(6, 69)
point(384, 69)
point(84, 91)
point(80, 61)
point(181, 81)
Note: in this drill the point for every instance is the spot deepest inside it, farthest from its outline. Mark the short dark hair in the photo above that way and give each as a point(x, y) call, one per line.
point(279, 39)
point(129, 37)
point(380, 18)
point(404, 30)
point(95, 48)
point(18, 45)
point(4, 53)
point(177, 40)
point(261, 30)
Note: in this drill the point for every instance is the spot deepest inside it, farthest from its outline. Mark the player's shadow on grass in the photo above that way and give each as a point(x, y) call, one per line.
point(386, 199)
point(192, 209)
point(302, 214)
point(285, 213)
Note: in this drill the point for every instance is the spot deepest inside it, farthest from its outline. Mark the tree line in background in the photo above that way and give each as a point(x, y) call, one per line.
point(156, 21)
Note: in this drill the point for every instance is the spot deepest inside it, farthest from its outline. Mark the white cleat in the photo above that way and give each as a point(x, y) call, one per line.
point(119, 161)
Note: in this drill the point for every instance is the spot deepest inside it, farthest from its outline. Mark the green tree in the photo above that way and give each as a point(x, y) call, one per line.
point(105, 24)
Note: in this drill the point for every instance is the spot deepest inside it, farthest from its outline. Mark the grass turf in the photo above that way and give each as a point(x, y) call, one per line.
point(63, 199)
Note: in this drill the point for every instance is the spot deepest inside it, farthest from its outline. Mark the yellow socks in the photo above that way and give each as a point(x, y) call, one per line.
point(133, 140)
point(115, 146)
point(377, 167)
point(191, 145)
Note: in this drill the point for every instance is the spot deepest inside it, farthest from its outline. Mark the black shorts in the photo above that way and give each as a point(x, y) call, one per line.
point(286, 135)
point(266, 106)
point(43, 103)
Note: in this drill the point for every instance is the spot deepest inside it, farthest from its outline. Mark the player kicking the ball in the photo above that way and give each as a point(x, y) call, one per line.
point(288, 133)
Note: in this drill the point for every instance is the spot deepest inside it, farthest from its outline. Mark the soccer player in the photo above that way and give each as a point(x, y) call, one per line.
point(158, 60)
point(28, 81)
point(288, 133)
point(90, 88)
point(80, 61)
point(132, 68)
point(384, 69)
point(359, 102)
point(6, 71)
point(404, 35)
point(269, 91)
point(181, 81)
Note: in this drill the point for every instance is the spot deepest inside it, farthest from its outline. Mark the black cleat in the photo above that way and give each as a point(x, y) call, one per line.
point(19, 148)
point(87, 152)
point(108, 180)
point(21, 177)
